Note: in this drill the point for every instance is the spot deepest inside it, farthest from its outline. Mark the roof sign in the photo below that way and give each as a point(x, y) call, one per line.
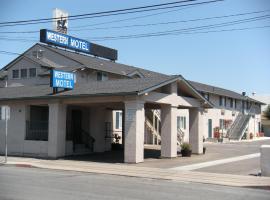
point(69, 42)
point(61, 79)
point(62, 40)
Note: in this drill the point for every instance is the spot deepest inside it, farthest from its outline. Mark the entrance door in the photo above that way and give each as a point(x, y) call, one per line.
point(77, 126)
point(210, 128)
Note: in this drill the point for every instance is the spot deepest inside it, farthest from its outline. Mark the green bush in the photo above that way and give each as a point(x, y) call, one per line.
point(185, 147)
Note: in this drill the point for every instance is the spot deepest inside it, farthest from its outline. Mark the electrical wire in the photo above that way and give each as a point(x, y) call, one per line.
point(31, 22)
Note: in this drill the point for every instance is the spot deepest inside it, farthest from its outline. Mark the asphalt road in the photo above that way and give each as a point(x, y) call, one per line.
point(38, 184)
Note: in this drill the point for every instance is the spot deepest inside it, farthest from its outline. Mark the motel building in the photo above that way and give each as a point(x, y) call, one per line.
point(67, 101)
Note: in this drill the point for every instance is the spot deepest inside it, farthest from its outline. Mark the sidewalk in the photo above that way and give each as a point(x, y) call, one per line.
point(143, 172)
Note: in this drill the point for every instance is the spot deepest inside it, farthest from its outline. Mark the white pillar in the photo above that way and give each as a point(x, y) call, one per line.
point(196, 130)
point(168, 131)
point(57, 130)
point(134, 131)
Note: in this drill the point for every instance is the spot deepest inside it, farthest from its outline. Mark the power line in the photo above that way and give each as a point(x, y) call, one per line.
point(168, 32)
point(216, 25)
point(9, 53)
point(211, 26)
point(193, 33)
point(107, 22)
point(170, 22)
point(154, 24)
point(95, 15)
point(184, 33)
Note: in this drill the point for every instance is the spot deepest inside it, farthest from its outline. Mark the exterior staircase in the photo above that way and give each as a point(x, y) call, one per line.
point(238, 128)
point(150, 126)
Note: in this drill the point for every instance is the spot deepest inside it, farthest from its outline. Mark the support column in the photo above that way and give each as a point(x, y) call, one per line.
point(97, 128)
point(168, 131)
point(196, 130)
point(134, 131)
point(57, 130)
point(109, 120)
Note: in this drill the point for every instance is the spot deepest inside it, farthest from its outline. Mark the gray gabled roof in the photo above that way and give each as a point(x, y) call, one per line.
point(122, 69)
point(95, 88)
point(102, 64)
point(220, 91)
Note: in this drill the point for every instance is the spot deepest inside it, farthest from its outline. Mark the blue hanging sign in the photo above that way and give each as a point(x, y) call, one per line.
point(62, 40)
point(61, 79)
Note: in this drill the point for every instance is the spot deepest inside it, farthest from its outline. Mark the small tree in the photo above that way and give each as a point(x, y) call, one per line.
point(267, 112)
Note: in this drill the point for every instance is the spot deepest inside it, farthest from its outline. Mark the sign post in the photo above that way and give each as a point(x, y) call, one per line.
point(6, 116)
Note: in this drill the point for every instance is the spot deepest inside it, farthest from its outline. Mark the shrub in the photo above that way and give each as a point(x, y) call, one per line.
point(185, 147)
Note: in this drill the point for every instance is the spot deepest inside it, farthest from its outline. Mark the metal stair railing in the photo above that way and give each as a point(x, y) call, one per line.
point(236, 121)
point(243, 125)
point(89, 140)
point(151, 128)
point(180, 136)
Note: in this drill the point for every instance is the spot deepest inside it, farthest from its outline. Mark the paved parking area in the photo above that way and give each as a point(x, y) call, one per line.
point(217, 151)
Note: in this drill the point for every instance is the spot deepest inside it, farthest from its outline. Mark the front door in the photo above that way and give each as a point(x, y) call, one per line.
point(210, 128)
point(77, 126)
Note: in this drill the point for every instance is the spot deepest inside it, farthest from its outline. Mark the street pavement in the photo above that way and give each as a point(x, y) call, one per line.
point(40, 184)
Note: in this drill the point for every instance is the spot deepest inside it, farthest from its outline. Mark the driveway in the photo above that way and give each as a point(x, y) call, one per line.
point(239, 158)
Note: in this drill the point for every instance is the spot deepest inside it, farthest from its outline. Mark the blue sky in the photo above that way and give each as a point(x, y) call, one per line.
point(236, 60)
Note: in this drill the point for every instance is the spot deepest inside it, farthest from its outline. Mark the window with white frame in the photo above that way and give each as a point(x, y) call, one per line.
point(102, 76)
point(181, 122)
point(118, 120)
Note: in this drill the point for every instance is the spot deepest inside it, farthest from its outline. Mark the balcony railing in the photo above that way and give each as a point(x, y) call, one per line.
point(37, 130)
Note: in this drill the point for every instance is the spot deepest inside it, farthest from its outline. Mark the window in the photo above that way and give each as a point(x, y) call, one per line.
point(15, 73)
point(23, 73)
point(118, 121)
point(221, 124)
point(181, 122)
point(235, 103)
point(222, 101)
point(0, 113)
point(205, 95)
point(37, 125)
point(32, 72)
point(102, 76)
point(231, 102)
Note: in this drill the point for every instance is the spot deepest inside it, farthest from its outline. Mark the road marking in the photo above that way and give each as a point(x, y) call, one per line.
point(215, 162)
